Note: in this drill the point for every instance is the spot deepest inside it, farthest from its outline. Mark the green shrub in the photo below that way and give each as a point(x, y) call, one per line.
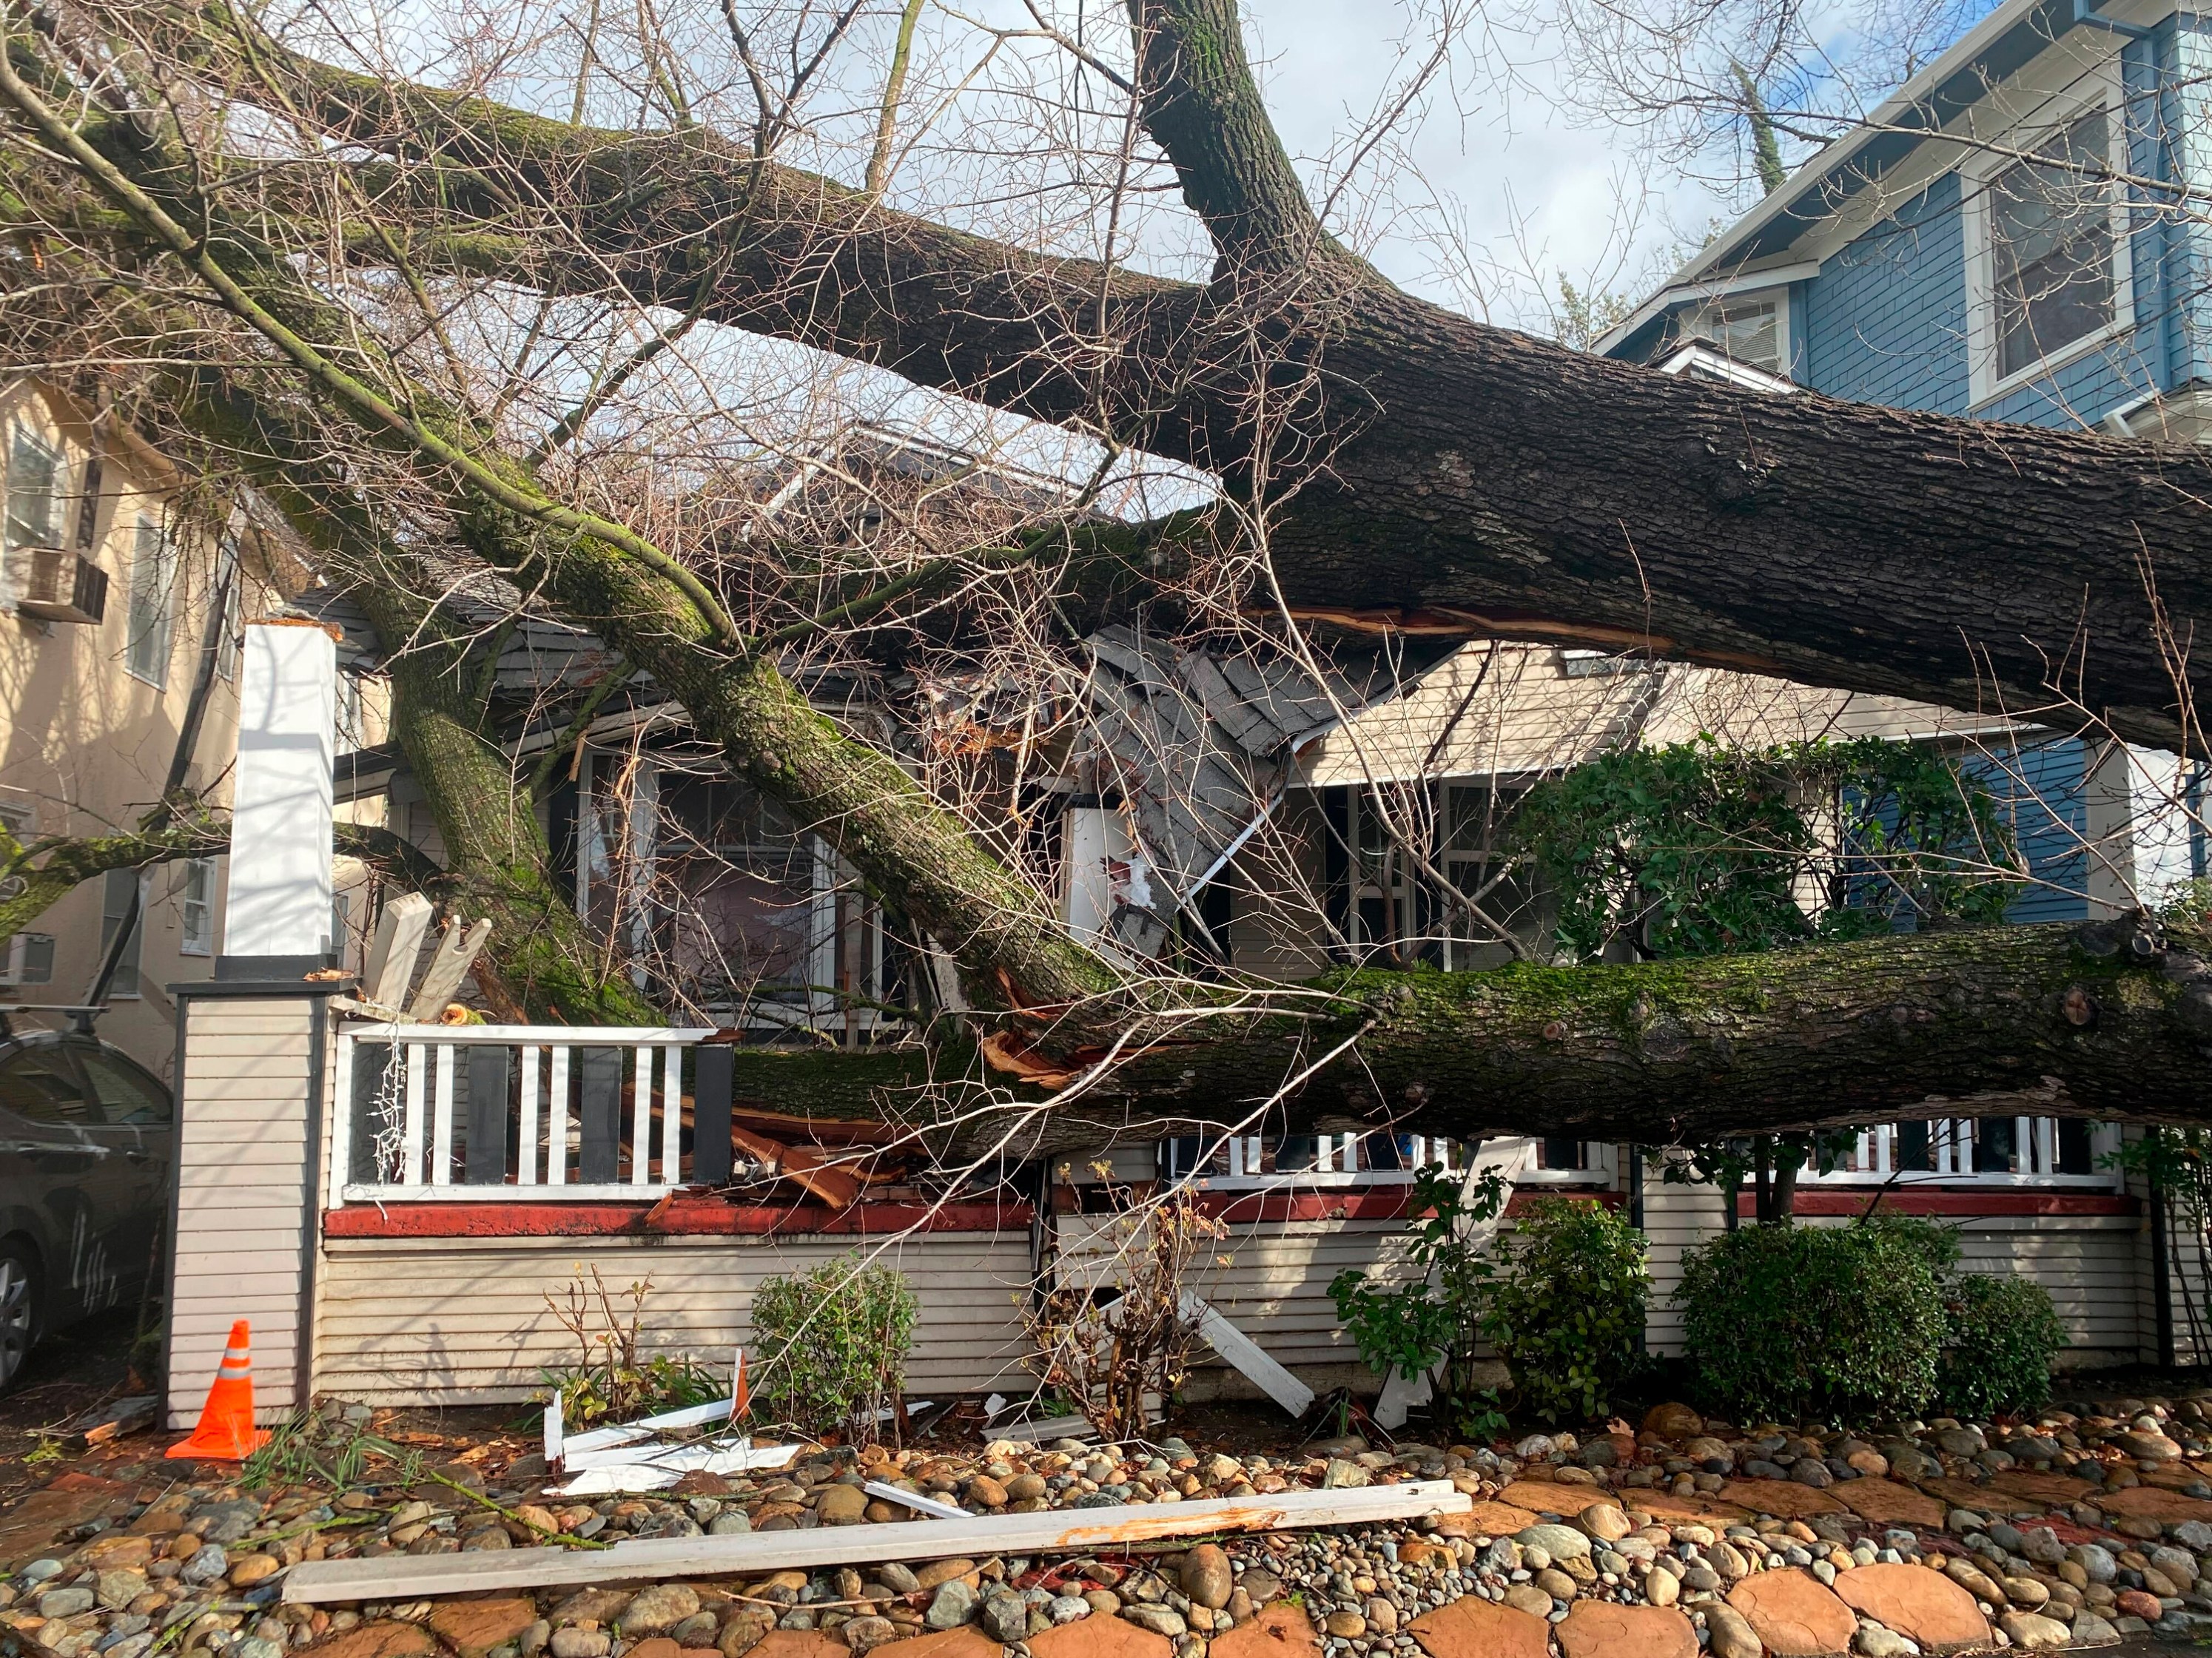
point(830, 1347)
point(1566, 1313)
point(1799, 1323)
point(1996, 1350)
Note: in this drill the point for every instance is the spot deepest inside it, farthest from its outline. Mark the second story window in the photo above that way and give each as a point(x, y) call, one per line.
point(1747, 332)
point(2051, 274)
point(196, 907)
point(35, 469)
point(153, 596)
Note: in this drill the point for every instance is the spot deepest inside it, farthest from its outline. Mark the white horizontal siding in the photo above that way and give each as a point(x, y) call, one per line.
point(410, 1320)
point(242, 1174)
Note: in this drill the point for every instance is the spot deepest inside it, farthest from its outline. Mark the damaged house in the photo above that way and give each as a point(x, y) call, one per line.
point(1213, 810)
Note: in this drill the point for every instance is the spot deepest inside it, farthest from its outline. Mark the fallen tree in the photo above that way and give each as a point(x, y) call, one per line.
point(2112, 1022)
point(1422, 470)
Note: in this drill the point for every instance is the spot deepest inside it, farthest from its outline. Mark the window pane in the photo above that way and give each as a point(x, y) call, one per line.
point(34, 958)
point(125, 1096)
point(33, 482)
point(152, 567)
point(196, 904)
point(1995, 1145)
point(2075, 1154)
point(1911, 1148)
point(1747, 334)
point(117, 892)
point(1561, 1154)
point(2051, 237)
point(38, 1084)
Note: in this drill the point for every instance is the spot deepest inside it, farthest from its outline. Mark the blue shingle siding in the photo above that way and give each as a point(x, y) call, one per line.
point(1886, 319)
point(2041, 788)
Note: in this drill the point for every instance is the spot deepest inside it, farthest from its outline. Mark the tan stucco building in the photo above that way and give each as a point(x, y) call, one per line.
point(111, 567)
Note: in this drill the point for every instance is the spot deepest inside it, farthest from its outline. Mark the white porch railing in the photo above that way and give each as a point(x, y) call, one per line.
point(1957, 1147)
point(1253, 1162)
point(477, 1113)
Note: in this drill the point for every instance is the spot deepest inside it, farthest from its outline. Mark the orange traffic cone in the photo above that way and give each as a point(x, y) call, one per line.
point(741, 1397)
point(226, 1431)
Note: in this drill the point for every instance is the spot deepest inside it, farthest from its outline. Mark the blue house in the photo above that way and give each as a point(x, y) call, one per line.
point(2018, 235)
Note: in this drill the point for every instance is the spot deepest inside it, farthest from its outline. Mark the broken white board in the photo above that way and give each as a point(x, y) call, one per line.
point(936, 1508)
point(711, 1456)
point(1045, 1427)
point(396, 947)
point(449, 964)
point(1249, 1356)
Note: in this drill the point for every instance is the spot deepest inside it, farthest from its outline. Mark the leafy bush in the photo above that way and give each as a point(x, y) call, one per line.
point(1566, 1314)
point(831, 1347)
point(1997, 1351)
point(1799, 1323)
point(1435, 1315)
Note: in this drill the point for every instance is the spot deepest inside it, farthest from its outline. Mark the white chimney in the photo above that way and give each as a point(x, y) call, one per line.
point(280, 825)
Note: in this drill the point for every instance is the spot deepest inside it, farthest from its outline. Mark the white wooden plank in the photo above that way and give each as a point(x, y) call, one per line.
point(556, 1118)
point(671, 1117)
point(411, 1158)
point(1065, 1530)
point(525, 1156)
point(341, 1122)
point(1240, 1351)
point(545, 1035)
point(641, 1119)
point(441, 1134)
point(935, 1507)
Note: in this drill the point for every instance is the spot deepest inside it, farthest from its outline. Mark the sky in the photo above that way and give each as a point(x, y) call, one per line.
point(1526, 187)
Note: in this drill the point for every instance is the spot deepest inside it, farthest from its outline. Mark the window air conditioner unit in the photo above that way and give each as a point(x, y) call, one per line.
point(55, 585)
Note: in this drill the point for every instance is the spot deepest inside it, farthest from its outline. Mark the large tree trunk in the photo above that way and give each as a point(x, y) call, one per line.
point(1449, 475)
point(1647, 1053)
point(2094, 1020)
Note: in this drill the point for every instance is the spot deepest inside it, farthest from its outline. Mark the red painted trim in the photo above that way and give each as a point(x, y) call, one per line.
point(693, 1217)
point(1916, 1200)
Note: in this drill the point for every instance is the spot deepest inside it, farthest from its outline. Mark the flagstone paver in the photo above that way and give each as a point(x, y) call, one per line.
point(1890, 1502)
point(1785, 1499)
point(1601, 1629)
point(1472, 1627)
point(1794, 1614)
point(1921, 1605)
point(1278, 1630)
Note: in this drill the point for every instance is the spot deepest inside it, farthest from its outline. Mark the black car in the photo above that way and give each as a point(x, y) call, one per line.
point(86, 1137)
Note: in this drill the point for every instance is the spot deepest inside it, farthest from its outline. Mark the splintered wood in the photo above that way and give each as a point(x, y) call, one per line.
point(1063, 1531)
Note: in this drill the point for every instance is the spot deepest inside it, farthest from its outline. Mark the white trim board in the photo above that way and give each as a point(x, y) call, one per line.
point(1064, 1531)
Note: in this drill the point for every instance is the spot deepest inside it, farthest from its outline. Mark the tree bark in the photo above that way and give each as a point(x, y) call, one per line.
point(2099, 1020)
point(1450, 474)
point(1651, 1052)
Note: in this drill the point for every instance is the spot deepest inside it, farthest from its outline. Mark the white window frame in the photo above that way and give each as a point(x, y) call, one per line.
point(140, 623)
point(15, 960)
point(196, 914)
point(1984, 384)
point(1785, 345)
point(1951, 1143)
point(1338, 1159)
